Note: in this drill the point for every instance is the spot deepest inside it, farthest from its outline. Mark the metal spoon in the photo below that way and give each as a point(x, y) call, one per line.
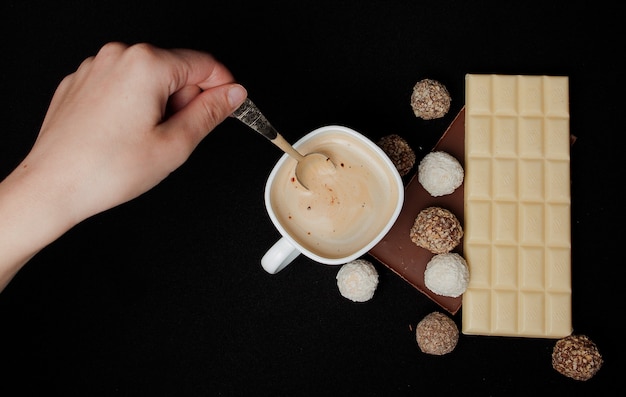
point(310, 167)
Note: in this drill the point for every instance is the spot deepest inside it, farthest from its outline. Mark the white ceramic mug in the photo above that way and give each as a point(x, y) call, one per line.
point(342, 220)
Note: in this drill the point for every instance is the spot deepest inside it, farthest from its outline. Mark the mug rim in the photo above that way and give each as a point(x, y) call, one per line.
point(392, 220)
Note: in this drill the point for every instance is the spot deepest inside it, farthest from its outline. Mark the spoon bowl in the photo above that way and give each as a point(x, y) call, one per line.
point(314, 169)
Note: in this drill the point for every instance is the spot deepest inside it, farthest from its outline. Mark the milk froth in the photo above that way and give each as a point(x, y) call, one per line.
point(344, 211)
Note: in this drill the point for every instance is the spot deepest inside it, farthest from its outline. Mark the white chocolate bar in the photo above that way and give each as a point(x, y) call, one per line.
point(517, 240)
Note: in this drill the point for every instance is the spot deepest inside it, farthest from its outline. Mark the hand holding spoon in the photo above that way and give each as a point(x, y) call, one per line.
point(310, 167)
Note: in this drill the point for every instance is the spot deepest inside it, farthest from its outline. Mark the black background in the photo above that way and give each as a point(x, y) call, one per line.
point(165, 295)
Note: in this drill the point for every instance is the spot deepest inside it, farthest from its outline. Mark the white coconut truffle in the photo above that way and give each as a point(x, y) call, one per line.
point(440, 173)
point(357, 280)
point(447, 274)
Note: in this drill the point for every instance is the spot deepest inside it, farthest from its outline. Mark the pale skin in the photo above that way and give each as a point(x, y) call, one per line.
point(115, 128)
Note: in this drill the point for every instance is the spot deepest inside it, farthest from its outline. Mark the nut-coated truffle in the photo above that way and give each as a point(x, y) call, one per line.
point(399, 151)
point(437, 334)
point(577, 357)
point(437, 230)
point(430, 99)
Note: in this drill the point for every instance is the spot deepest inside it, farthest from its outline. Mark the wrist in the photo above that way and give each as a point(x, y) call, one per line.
point(32, 215)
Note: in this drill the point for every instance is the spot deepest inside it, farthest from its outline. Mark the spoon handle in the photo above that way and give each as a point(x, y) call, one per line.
point(251, 116)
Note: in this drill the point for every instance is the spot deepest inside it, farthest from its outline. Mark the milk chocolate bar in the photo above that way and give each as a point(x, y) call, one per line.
point(396, 250)
point(517, 240)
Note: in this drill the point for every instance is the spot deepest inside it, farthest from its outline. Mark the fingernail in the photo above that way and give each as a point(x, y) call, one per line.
point(236, 95)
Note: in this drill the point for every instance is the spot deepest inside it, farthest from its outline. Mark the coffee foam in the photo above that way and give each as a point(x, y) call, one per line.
point(345, 212)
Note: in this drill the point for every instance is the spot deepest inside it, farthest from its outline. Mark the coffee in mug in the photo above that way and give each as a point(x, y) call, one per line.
point(343, 214)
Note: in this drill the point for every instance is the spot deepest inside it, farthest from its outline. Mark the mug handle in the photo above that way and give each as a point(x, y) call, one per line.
point(279, 256)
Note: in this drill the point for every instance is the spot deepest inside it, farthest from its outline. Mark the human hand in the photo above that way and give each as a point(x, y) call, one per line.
point(115, 128)
point(126, 119)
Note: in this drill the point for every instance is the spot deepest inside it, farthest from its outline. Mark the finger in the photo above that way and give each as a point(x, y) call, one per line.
point(189, 67)
point(202, 114)
point(182, 97)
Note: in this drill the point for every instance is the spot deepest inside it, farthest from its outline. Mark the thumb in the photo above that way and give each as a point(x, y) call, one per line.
point(205, 112)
